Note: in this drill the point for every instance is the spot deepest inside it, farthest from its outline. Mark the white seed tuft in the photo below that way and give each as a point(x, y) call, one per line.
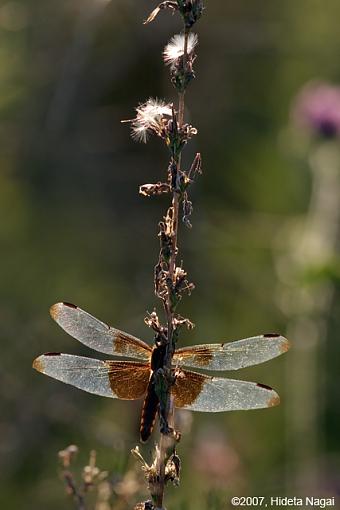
point(149, 118)
point(175, 48)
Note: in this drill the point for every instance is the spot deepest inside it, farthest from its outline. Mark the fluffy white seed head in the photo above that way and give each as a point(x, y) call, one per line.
point(149, 118)
point(175, 48)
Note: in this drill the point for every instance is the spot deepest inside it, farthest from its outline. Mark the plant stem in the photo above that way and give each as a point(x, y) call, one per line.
point(71, 486)
point(181, 95)
point(167, 441)
point(175, 215)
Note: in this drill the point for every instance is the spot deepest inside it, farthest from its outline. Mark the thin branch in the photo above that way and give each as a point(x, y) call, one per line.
point(72, 489)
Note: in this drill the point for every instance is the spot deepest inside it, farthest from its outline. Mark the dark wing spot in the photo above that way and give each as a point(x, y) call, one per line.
point(70, 305)
point(274, 399)
point(273, 335)
point(264, 386)
point(52, 354)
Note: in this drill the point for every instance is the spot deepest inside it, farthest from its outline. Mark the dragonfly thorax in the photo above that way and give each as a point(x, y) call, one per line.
point(158, 357)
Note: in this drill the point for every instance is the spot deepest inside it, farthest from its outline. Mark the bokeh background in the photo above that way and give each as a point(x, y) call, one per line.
point(73, 228)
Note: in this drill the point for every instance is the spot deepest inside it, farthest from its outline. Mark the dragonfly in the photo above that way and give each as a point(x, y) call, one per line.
point(135, 379)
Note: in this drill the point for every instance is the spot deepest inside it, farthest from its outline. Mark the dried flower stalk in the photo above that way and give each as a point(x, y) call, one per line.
point(91, 478)
point(170, 281)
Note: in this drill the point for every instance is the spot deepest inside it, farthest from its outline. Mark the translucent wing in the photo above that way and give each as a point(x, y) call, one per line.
point(232, 355)
point(126, 380)
point(198, 392)
point(96, 334)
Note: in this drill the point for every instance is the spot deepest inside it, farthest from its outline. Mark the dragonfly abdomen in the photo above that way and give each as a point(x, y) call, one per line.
point(149, 411)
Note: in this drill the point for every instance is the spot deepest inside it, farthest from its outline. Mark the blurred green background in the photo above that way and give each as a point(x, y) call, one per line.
point(73, 228)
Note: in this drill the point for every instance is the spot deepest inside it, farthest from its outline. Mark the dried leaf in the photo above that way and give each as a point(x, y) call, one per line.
point(152, 15)
point(163, 5)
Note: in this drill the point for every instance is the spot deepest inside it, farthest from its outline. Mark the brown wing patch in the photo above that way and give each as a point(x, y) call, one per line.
point(187, 387)
point(128, 380)
point(126, 345)
point(201, 357)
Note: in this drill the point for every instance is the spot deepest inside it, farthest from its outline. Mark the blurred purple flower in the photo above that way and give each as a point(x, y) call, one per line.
point(317, 108)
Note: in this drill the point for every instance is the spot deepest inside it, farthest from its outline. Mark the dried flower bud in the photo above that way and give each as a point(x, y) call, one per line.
point(181, 62)
point(165, 241)
point(72, 449)
point(159, 188)
point(178, 137)
point(180, 273)
point(173, 469)
point(189, 131)
point(91, 473)
point(183, 181)
point(191, 11)
point(182, 321)
point(187, 211)
point(66, 456)
point(144, 505)
point(152, 321)
point(160, 280)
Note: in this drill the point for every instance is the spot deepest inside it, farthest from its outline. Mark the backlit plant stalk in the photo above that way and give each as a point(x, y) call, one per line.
point(307, 271)
point(170, 281)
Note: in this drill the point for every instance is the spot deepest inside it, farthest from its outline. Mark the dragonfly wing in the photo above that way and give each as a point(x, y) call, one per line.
point(126, 380)
point(96, 334)
point(232, 355)
point(198, 392)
